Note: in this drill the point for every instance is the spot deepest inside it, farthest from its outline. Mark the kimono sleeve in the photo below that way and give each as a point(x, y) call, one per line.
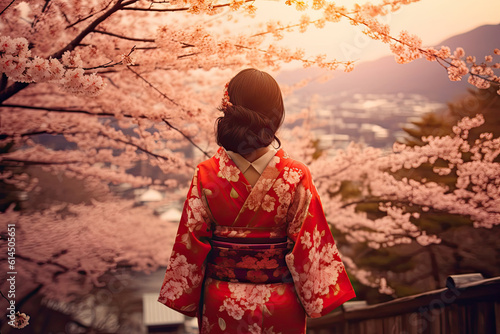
point(318, 273)
point(182, 286)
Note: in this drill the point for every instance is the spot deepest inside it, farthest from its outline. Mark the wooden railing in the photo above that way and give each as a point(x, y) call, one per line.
point(464, 306)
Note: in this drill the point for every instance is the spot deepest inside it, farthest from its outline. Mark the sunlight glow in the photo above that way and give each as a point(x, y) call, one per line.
point(344, 42)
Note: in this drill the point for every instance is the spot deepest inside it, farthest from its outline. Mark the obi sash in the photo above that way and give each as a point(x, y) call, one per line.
point(249, 260)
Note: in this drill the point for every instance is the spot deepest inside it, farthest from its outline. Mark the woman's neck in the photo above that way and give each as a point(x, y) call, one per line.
point(252, 156)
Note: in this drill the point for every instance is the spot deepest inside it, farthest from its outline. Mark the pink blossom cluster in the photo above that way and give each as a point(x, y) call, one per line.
point(368, 278)
point(17, 64)
point(458, 65)
point(21, 320)
point(382, 8)
point(67, 254)
point(104, 153)
point(403, 200)
point(406, 47)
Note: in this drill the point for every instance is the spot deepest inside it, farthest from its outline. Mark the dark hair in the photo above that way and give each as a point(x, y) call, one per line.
point(254, 114)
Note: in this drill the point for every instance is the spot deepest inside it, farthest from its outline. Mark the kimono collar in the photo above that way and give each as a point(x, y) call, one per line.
point(259, 165)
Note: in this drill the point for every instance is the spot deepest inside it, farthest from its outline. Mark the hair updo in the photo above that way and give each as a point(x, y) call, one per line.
point(254, 114)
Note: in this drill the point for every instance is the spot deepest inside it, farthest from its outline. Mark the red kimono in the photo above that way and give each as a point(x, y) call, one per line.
point(254, 259)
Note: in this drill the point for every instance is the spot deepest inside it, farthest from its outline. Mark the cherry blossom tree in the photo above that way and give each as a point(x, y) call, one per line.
point(97, 90)
point(389, 182)
point(68, 252)
point(124, 82)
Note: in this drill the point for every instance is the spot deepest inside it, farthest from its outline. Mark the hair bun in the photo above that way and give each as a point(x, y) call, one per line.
point(243, 130)
point(253, 112)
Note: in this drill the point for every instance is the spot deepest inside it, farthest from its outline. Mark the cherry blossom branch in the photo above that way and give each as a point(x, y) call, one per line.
point(1, 293)
point(387, 200)
point(89, 16)
point(126, 60)
point(46, 5)
point(148, 152)
point(188, 138)
point(90, 28)
point(181, 9)
point(152, 2)
point(3, 81)
point(319, 61)
point(189, 55)
point(16, 87)
point(129, 143)
point(49, 261)
point(481, 76)
point(81, 168)
point(406, 49)
point(154, 88)
point(327, 176)
point(29, 295)
point(404, 258)
point(130, 2)
point(86, 112)
point(146, 40)
point(34, 162)
point(164, 119)
point(10, 162)
point(12, 90)
point(137, 186)
point(364, 201)
point(319, 22)
point(66, 110)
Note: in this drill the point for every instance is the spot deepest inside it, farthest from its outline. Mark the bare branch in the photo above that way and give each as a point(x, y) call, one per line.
point(64, 110)
point(46, 6)
point(3, 82)
point(146, 40)
point(154, 87)
point(187, 137)
point(148, 152)
point(188, 55)
point(91, 27)
point(12, 90)
point(165, 120)
point(86, 112)
point(178, 9)
point(3, 10)
point(88, 16)
point(110, 63)
point(32, 293)
point(16, 162)
point(49, 261)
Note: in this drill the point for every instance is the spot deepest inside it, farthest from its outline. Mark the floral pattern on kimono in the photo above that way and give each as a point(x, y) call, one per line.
point(183, 280)
point(317, 270)
point(283, 205)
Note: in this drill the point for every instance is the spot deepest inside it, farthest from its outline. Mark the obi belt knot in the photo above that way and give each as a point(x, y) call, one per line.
point(249, 260)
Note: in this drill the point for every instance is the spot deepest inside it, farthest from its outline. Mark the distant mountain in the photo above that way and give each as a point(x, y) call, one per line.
point(385, 76)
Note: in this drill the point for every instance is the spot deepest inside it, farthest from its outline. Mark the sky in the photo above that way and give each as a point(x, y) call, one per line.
point(432, 20)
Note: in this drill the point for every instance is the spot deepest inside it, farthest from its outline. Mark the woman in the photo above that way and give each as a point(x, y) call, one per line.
point(253, 253)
